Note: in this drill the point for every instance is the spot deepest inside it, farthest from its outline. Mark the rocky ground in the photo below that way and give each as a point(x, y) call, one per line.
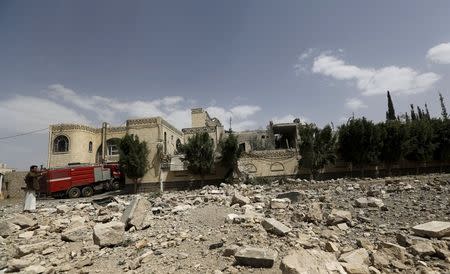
point(288, 226)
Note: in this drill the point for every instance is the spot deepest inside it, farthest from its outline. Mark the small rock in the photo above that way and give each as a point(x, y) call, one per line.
point(357, 256)
point(280, 203)
point(7, 228)
point(135, 213)
point(339, 216)
point(239, 199)
point(256, 257)
point(422, 249)
point(275, 227)
point(109, 234)
point(310, 261)
point(23, 221)
point(433, 229)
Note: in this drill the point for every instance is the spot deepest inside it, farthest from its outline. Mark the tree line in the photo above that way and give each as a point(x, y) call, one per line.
point(414, 136)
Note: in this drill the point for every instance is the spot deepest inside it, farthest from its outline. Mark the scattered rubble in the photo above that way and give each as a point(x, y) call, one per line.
point(392, 225)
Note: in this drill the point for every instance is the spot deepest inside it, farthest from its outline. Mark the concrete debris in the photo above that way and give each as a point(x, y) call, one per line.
point(392, 225)
point(280, 203)
point(311, 261)
point(433, 229)
point(239, 199)
point(275, 227)
point(256, 257)
point(109, 234)
point(135, 213)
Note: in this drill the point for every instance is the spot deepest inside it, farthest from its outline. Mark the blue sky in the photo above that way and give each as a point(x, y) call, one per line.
point(94, 61)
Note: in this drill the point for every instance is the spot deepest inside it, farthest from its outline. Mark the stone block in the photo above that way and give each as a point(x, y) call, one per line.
point(109, 234)
point(311, 261)
point(275, 227)
point(433, 229)
point(256, 257)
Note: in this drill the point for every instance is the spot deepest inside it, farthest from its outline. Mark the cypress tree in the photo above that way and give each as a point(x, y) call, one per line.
point(420, 113)
point(443, 108)
point(390, 115)
point(427, 113)
point(413, 114)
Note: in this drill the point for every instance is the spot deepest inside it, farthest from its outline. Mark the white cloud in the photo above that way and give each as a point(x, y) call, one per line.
point(439, 54)
point(301, 64)
point(244, 111)
point(355, 104)
point(26, 113)
point(373, 81)
point(289, 118)
point(175, 109)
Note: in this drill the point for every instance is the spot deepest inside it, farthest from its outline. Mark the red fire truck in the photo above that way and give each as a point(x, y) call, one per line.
point(78, 180)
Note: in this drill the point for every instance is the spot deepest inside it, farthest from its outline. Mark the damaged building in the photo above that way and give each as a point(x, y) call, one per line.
point(266, 153)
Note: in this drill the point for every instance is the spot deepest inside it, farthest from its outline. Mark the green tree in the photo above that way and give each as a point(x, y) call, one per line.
point(413, 114)
point(443, 108)
point(133, 158)
point(390, 114)
point(317, 147)
point(419, 145)
point(441, 130)
point(359, 142)
point(230, 151)
point(393, 134)
point(199, 154)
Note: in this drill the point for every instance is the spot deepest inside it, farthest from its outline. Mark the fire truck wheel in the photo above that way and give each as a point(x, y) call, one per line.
point(115, 185)
point(87, 191)
point(74, 192)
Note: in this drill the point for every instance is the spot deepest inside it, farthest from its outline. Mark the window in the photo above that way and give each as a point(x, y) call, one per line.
point(113, 149)
point(61, 144)
point(165, 143)
point(178, 144)
point(90, 146)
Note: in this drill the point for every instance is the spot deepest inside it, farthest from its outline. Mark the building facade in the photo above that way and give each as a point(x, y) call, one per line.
point(270, 152)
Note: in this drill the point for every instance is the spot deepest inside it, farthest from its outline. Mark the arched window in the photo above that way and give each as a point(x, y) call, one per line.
point(90, 146)
point(165, 143)
point(61, 144)
point(178, 144)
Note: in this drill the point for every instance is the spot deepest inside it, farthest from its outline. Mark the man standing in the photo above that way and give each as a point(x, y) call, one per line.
point(32, 185)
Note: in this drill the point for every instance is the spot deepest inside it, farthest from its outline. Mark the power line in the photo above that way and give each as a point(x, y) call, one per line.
point(22, 134)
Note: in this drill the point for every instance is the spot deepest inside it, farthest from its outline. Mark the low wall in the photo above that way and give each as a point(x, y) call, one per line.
point(13, 183)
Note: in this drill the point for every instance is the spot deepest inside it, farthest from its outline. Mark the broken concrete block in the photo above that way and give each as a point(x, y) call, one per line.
point(135, 213)
point(23, 221)
point(314, 213)
point(181, 208)
point(77, 234)
point(294, 196)
point(357, 256)
point(369, 202)
point(7, 228)
point(239, 199)
point(422, 249)
point(109, 234)
point(256, 257)
point(310, 261)
point(23, 250)
point(339, 216)
point(331, 247)
point(356, 268)
point(433, 229)
point(15, 265)
point(280, 203)
point(275, 227)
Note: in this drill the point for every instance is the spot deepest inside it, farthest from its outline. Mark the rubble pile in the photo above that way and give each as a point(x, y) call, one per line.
point(391, 225)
